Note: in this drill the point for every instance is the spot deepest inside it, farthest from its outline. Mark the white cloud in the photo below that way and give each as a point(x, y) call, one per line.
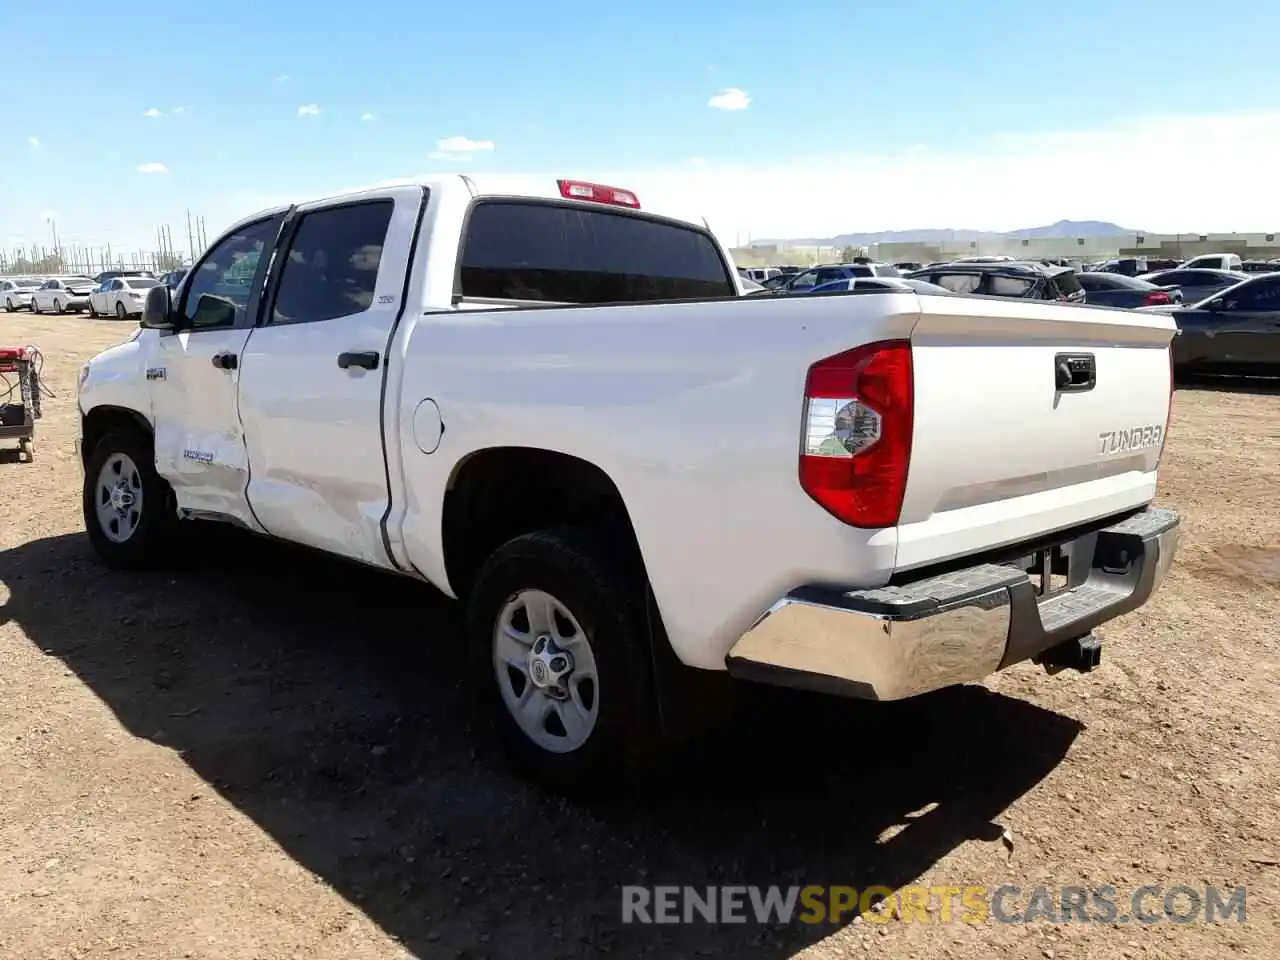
point(309, 110)
point(731, 98)
point(179, 109)
point(152, 112)
point(152, 168)
point(35, 142)
point(459, 148)
point(368, 117)
point(1121, 173)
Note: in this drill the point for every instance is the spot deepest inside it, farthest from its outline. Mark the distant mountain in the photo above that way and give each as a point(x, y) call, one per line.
point(1063, 228)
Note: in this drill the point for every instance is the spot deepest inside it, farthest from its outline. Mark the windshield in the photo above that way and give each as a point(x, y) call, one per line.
point(141, 283)
point(26, 284)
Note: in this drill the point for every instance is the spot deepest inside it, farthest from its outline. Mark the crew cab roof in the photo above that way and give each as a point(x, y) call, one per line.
point(494, 185)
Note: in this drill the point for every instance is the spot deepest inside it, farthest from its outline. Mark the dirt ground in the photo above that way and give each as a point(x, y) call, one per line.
point(266, 754)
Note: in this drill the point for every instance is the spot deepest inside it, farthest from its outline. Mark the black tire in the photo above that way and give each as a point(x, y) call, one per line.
point(150, 544)
point(8, 305)
point(57, 306)
point(92, 312)
point(34, 308)
point(121, 312)
point(606, 597)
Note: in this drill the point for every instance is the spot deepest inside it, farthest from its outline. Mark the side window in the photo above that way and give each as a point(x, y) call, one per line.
point(1012, 286)
point(828, 274)
point(331, 269)
point(805, 280)
point(116, 284)
point(959, 282)
point(218, 295)
point(1260, 295)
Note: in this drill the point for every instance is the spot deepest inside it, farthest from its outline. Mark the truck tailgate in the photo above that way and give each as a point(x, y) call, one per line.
point(1004, 448)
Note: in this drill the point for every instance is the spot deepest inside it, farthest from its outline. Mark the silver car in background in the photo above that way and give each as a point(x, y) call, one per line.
point(15, 292)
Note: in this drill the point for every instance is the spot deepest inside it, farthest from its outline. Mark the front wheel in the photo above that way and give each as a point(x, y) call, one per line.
point(128, 507)
point(560, 654)
point(121, 312)
point(57, 306)
point(35, 307)
point(8, 305)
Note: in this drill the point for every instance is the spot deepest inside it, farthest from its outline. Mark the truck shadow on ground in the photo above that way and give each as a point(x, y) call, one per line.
point(327, 703)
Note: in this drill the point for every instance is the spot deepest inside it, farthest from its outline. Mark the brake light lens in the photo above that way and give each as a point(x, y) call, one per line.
point(597, 193)
point(858, 422)
point(1156, 297)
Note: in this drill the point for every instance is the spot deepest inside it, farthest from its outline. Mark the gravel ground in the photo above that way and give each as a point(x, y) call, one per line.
point(267, 754)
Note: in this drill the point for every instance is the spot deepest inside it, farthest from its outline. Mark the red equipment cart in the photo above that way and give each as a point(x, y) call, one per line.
point(20, 396)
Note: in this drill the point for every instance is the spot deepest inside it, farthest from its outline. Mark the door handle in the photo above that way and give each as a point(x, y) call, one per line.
point(226, 361)
point(366, 361)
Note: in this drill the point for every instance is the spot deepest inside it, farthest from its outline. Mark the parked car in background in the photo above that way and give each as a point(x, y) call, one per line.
point(1126, 266)
point(826, 273)
point(121, 296)
point(760, 274)
point(1005, 278)
point(15, 292)
point(62, 294)
point(750, 287)
point(1236, 332)
point(1258, 266)
point(1214, 261)
point(106, 275)
point(902, 284)
point(1117, 290)
point(1195, 284)
point(172, 278)
point(906, 266)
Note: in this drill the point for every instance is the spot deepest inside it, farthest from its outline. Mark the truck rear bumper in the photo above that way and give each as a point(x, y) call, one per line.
point(959, 626)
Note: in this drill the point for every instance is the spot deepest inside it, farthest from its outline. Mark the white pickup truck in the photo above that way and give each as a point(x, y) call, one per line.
point(556, 405)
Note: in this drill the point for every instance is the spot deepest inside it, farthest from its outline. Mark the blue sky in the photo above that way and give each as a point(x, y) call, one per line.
point(850, 116)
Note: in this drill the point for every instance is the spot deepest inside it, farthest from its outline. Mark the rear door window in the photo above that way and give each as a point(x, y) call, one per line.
point(959, 282)
point(518, 250)
point(1010, 286)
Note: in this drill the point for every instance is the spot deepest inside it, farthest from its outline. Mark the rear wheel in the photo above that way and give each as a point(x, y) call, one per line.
point(92, 312)
point(35, 307)
point(57, 306)
point(8, 305)
point(128, 507)
point(560, 655)
point(121, 312)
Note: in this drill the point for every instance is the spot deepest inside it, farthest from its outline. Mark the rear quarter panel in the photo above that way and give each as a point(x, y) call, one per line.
point(693, 409)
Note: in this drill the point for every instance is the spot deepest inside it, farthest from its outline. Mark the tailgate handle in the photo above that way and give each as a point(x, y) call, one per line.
point(1075, 372)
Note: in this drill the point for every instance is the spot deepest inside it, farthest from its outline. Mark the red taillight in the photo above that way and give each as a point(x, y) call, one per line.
point(858, 421)
point(1156, 297)
point(597, 193)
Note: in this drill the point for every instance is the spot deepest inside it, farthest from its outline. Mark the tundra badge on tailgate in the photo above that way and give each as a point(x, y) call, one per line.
point(1124, 441)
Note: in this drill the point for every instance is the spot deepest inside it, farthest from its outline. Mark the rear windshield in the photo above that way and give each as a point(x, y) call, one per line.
point(518, 250)
point(141, 283)
point(26, 284)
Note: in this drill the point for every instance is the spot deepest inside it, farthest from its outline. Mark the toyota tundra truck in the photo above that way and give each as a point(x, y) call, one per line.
point(555, 404)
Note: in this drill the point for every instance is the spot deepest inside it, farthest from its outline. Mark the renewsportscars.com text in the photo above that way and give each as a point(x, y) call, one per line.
point(972, 904)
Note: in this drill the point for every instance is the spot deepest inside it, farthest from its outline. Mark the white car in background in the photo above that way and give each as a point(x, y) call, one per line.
point(62, 294)
point(121, 296)
point(15, 292)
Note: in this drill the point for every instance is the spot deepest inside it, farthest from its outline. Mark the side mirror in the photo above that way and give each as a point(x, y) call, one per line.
point(157, 309)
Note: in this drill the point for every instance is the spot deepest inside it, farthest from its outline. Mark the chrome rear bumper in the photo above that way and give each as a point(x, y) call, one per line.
point(895, 642)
